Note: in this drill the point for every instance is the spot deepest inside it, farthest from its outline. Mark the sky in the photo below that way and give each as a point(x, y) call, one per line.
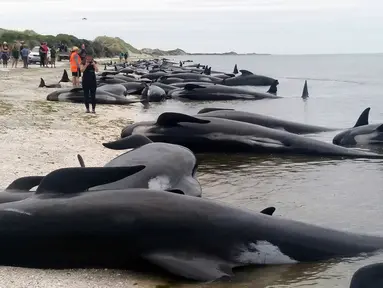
point(243, 26)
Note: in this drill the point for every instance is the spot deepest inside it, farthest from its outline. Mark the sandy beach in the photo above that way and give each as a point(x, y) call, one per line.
point(38, 136)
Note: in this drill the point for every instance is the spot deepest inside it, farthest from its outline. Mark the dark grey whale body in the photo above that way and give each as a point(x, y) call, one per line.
point(250, 79)
point(369, 276)
point(167, 166)
point(207, 134)
point(124, 229)
point(217, 92)
point(361, 134)
point(268, 121)
point(106, 94)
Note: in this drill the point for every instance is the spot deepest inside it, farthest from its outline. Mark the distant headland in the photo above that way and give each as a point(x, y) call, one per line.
point(101, 46)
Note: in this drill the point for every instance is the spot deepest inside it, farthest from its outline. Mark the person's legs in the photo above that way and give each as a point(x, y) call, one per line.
point(93, 98)
point(16, 61)
point(86, 96)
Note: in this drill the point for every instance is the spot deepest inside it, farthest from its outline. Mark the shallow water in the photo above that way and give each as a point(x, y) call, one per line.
point(342, 194)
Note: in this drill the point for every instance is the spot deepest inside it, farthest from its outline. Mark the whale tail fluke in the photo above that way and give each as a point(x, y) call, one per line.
point(78, 179)
point(273, 88)
point(42, 83)
point(130, 142)
point(81, 161)
point(305, 93)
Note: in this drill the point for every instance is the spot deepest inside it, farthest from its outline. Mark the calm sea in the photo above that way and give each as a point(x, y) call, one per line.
point(341, 194)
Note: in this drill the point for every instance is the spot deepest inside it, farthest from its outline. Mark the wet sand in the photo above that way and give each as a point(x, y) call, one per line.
point(38, 136)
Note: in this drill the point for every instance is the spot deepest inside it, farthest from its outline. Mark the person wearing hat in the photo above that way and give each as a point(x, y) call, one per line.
point(75, 61)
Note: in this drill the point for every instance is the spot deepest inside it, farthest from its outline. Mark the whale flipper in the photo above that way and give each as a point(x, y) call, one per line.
point(172, 119)
point(370, 276)
point(42, 83)
point(193, 86)
point(74, 180)
point(235, 71)
point(305, 93)
point(207, 110)
point(363, 118)
point(268, 211)
point(202, 268)
point(130, 142)
point(81, 161)
point(65, 77)
point(246, 72)
point(25, 183)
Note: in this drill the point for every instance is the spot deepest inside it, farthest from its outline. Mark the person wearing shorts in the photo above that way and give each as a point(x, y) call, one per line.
point(75, 61)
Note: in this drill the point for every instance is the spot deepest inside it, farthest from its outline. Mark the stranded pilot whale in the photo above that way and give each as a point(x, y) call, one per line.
point(208, 134)
point(369, 276)
point(131, 228)
point(362, 133)
point(271, 122)
point(64, 78)
point(167, 167)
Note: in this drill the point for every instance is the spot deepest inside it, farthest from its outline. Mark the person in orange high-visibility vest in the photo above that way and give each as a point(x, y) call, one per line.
point(75, 61)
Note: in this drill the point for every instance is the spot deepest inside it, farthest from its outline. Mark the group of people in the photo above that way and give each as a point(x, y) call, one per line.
point(83, 65)
point(125, 56)
point(16, 51)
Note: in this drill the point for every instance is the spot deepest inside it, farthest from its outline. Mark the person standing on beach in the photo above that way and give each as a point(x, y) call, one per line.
point(126, 55)
point(24, 55)
point(41, 53)
point(5, 54)
point(89, 82)
point(45, 54)
point(53, 57)
point(15, 55)
point(75, 61)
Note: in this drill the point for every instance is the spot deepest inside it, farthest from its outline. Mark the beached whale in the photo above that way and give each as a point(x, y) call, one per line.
point(249, 79)
point(191, 237)
point(272, 122)
point(214, 135)
point(369, 276)
point(153, 93)
point(218, 92)
point(167, 166)
point(361, 134)
point(104, 95)
point(64, 78)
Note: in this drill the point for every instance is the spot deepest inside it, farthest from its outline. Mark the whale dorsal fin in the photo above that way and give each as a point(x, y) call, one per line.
point(74, 180)
point(206, 110)
point(268, 211)
point(380, 128)
point(201, 268)
point(246, 72)
point(173, 118)
point(193, 86)
point(305, 93)
point(130, 142)
point(42, 83)
point(363, 118)
point(235, 70)
point(273, 88)
point(24, 183)
point(64, 77)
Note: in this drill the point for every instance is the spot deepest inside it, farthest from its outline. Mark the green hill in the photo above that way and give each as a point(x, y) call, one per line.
point(102, 46)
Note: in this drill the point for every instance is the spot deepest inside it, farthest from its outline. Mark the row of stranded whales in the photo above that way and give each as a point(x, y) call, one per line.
point(165, 81)
point(203, 134)
point(131, 228)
